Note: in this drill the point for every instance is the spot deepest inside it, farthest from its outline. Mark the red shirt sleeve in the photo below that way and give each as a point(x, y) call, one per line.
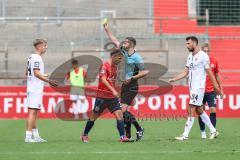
point(217, 67)
point(103, 71)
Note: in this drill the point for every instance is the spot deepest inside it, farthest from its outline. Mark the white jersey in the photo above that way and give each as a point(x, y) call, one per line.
point(33, 83)
point(197, 65)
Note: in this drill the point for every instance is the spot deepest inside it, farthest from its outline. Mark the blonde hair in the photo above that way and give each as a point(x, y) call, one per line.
point(206, 45)
point(39, 41)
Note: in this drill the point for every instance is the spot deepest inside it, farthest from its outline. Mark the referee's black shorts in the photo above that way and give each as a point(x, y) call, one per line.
point(129, 92)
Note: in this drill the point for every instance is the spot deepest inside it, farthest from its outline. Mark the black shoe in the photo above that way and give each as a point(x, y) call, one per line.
point(140, 134)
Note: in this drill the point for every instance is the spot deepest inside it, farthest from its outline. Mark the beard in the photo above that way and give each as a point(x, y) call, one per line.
point(190, 49)
point(125, 48)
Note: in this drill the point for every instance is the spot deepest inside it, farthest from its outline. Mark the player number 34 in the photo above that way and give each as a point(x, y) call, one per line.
point(194, 96)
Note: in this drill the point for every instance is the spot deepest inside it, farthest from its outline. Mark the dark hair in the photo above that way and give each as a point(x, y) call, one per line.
point(39, 41)
point(74, 61)
point(193, 38)
point(133, 40)
point(115, 51)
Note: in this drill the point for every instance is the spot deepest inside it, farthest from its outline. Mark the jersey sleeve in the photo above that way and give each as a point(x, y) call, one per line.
point(206, 61)
point(188, 62)
point(139, 63)
point(103, 71)
point(36, 63)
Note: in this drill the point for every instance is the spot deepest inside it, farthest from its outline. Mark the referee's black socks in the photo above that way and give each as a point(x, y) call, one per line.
point(129, 117)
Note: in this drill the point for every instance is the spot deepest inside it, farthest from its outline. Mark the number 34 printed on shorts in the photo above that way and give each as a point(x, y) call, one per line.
point(194, 97)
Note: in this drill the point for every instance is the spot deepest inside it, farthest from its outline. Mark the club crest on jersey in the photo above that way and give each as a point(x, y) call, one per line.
point(102, 71)
point(36, 64)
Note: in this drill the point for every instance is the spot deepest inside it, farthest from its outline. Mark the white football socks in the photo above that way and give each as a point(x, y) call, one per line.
point(35, 133)
point(188, 126)
point(207, 121)
point(29, 134)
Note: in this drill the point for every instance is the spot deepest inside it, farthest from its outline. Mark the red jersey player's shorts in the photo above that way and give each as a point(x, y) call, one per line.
point(112, 104)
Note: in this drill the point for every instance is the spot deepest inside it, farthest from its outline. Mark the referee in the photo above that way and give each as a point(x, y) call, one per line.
point(134, 70)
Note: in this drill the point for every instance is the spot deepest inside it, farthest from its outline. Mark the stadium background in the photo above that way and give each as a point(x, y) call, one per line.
point(73, 28)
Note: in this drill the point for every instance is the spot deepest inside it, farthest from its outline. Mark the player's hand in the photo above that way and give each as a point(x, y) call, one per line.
point(217, 90)
point(171, 80)
point(116, 94)
point(221, 94)
point(106, 26)
point(53, 83)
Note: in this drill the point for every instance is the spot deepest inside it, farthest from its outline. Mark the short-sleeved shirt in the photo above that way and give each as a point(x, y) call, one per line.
point(133, 64)
point(197, 65)
point(34, 84)
point(215, 69)
point(76, 71)
point(110, 72)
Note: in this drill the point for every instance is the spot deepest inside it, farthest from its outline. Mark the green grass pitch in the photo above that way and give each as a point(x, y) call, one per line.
point(64, 143)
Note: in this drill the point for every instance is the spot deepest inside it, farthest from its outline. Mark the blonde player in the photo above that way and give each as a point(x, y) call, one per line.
point(197, 66)
point(35, 83)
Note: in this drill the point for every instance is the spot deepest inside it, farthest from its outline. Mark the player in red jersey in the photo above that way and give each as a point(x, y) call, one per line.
point(107, 96)
point(210, 95)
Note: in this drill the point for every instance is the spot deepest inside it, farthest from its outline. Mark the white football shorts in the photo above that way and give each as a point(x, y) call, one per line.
point(34, 100)
point(196, 97)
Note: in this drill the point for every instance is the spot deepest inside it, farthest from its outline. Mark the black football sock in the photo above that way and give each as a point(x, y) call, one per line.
point(88, 127)
point(127, 126)
point(127, 123)
point(213, 119)
point(201, 124)
point(134, 122)
point(120, 127)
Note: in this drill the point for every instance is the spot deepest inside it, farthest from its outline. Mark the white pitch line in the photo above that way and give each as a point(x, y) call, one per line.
point(123, 152)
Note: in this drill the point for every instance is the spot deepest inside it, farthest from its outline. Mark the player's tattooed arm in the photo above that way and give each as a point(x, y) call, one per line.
point(113, 90)
point(110, 35)
point(219, 81)
point(214, 82)
point(44, 78)
point(180, 76)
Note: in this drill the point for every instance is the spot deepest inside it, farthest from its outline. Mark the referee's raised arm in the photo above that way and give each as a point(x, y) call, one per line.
point(110, 35)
